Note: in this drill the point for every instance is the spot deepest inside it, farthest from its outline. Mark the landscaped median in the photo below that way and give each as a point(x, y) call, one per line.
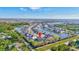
point(49, 46)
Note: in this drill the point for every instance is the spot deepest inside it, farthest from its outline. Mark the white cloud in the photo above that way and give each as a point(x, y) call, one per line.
point(23, 9)
point(34, 8)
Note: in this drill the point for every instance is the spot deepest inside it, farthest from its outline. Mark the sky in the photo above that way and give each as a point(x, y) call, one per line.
point(40, 12)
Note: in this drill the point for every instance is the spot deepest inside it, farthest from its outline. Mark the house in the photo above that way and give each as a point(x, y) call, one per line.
point(67, 43)
point(6, 37)
point(63, 35)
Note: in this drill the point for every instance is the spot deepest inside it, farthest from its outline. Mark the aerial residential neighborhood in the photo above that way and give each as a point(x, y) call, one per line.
point(37, 36)
point(26, 29)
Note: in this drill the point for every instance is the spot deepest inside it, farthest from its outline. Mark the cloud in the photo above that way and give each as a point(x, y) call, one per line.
point(23, 9)
point(34, 8)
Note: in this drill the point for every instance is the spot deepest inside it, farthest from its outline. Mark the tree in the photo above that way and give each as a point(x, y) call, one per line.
point(62, 47)
point(4, 44)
